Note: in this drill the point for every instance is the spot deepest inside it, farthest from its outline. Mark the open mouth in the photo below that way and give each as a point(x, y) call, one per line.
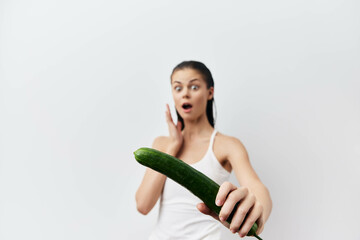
point(186, 106)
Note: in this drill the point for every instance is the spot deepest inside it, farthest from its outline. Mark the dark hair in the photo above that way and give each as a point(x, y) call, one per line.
point(205, 72)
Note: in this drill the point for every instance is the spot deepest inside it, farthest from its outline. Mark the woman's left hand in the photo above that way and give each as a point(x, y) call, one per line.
point(249, 210)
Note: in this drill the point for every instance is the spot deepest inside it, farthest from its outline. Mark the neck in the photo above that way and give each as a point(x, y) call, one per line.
point(197, 128)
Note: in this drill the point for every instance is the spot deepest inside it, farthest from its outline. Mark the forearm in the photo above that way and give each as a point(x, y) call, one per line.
point(150, 189)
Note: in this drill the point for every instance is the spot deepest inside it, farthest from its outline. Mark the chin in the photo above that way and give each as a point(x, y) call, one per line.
point(189, 117)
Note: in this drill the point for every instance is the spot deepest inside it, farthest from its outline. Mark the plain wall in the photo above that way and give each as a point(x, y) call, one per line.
point(83, 84)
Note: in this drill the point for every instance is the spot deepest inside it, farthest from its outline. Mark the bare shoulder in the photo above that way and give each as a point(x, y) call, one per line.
point(236, 155)
point(231, 145)
point(160, 143)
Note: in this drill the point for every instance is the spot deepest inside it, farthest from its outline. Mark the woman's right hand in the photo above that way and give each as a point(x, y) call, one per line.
point(175, 134)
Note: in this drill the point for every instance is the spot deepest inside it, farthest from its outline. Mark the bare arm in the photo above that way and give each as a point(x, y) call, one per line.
point(152, 184)
point(249, 180)
point(254, 199)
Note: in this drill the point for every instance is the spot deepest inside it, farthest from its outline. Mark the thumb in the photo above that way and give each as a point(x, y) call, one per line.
point(178, 126)
point(205, 210)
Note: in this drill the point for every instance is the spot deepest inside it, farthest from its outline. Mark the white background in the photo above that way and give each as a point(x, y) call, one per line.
point(84, 83)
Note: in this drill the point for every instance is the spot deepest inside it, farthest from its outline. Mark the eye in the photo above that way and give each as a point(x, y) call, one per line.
point(194, 87)
point(177, 88)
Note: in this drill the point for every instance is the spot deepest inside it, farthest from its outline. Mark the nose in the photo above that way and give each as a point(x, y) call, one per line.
point(185, 93)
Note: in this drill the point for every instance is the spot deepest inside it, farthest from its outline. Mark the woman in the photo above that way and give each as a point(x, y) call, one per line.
point(195, 141)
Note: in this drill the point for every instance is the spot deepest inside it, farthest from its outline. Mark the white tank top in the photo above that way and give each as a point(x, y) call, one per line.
point(178, 218)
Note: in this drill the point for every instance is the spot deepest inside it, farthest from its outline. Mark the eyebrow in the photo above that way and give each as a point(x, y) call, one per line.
point(189, 81)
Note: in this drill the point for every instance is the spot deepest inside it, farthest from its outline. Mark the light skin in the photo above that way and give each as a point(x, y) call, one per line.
point(190, 144)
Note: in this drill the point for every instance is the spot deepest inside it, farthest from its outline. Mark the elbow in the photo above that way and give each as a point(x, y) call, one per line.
point(142, 207)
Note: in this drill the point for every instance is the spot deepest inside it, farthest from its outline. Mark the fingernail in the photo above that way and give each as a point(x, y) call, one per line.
point(218, 202)
point(222, 219)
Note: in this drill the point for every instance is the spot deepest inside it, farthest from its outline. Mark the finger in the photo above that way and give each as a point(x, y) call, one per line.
point(167, 113)
point(223, 192)
point(260, 223)
point(233, 198)
point(205, 210)
point(241, 212)
point(229, 206)
point(250, 220)
point(169, 119)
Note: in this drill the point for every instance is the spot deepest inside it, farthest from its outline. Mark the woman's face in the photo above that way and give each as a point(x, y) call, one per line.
point(190, 93)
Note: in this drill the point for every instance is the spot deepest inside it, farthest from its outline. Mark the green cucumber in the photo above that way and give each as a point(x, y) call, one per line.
point(190, 178)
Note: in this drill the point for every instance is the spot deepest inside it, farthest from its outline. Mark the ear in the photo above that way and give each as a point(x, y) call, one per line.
point(211, 93)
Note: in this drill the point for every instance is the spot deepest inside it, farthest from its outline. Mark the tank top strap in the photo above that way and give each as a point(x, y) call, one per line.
point(212, 140)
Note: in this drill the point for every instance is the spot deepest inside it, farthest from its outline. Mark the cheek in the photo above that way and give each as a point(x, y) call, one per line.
point(201, 100)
